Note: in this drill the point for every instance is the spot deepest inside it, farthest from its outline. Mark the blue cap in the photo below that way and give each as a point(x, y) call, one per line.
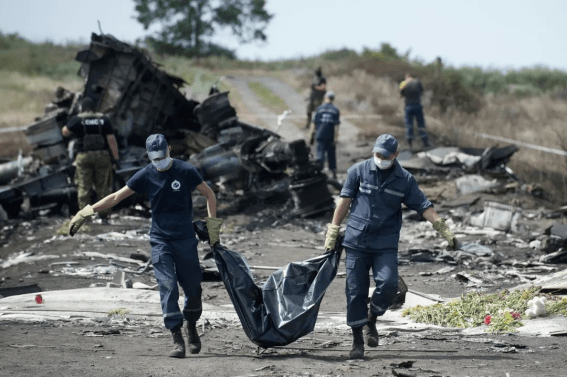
point(385, 145)
point(156, 145)
point(330, 95)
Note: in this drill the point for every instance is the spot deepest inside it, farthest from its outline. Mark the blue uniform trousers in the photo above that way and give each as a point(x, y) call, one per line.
point(327, 148)
point(415, 111)
point(177, 261)
point(385, 273)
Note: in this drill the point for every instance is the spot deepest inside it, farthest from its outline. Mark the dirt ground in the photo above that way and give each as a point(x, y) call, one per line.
point(265, 237)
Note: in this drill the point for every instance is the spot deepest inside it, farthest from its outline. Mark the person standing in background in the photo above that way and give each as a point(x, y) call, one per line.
point(94, 139)
point(412, 89)
point(325, 131)
point(318, 90)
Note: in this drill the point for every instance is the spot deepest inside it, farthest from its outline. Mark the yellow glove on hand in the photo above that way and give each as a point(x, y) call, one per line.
point(79, 219)
point(442, 228)
point(331, 237)
point(213, 227)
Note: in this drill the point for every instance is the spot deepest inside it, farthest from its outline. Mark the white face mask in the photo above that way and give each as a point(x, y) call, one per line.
point(162, 164)
point(383, 164)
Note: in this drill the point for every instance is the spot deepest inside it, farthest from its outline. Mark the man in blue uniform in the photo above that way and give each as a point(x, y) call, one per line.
point(168, 183)
point(412, 89)
point(375, 190)
point(325, 131)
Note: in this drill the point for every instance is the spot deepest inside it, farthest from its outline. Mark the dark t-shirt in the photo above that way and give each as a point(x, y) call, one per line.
point(170, 198)
point(412, 92)
point(93, 124)
point(316, 94)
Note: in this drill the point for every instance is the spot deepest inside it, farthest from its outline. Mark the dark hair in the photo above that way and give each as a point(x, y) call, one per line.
point(87, 104)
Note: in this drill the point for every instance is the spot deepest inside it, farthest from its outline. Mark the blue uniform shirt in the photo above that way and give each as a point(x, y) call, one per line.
point(170, 197)
point(376, 210)
point(326, 118)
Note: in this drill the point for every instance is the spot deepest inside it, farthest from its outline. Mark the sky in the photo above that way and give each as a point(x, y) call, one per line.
point(492, 34)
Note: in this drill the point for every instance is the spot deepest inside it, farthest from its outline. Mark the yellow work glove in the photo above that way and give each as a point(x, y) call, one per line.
point(331, 237)
point(79, 219)
point(442, 228)
point(213, 227)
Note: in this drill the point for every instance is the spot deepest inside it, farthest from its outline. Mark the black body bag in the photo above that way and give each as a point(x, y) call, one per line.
point(285, 308)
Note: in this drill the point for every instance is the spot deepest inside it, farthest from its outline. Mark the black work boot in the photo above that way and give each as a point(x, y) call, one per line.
point(372, 339)
point(179, 350)
point(357, 351)
point(193, 337)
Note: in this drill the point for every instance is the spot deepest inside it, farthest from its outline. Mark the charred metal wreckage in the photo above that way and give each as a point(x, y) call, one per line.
point(140, 99)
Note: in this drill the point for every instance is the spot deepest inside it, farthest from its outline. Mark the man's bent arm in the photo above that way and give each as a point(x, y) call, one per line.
point(204, 189)
point(341, 210)
point(113, 199)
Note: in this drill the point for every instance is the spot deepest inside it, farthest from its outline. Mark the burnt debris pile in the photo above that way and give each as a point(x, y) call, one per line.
point(141, 99)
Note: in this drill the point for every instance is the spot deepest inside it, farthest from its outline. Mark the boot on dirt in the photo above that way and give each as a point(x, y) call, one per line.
point(357, 351)
point(193, 337)
point(372, 339)
point(179, 343)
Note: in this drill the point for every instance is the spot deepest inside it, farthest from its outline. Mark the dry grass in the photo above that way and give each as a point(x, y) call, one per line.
point(535, 120)
point(22, 100)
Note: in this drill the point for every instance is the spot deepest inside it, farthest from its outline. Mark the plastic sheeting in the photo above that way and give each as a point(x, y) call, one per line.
point(285, 308)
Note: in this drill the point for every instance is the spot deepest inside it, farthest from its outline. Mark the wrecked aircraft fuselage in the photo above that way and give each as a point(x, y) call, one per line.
point(140, 99)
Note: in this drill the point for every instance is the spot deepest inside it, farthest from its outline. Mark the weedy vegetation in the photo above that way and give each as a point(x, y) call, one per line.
point(118, 312)
point(267, 97)
point(500, 312)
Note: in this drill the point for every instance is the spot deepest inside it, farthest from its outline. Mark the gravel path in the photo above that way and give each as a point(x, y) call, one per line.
point(292, 127)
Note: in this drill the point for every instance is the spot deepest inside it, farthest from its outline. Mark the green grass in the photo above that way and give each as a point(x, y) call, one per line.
point(267, 97)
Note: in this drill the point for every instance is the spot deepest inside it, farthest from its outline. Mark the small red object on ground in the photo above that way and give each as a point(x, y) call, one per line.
point(38, 299)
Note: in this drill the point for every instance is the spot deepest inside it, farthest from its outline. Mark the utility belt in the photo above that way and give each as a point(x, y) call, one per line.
point(98, 151)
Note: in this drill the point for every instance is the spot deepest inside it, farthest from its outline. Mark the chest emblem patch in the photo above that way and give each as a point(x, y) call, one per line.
point(175, 185)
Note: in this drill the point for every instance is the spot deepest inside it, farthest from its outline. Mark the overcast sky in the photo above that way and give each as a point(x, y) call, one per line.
point(491, 34)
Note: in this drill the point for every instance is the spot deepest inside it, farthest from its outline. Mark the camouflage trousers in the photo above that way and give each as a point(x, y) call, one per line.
point(94, 171)
point(311, 107)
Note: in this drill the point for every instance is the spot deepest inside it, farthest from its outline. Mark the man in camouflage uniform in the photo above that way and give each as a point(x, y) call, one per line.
point(94, 137)
point(318, 90)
